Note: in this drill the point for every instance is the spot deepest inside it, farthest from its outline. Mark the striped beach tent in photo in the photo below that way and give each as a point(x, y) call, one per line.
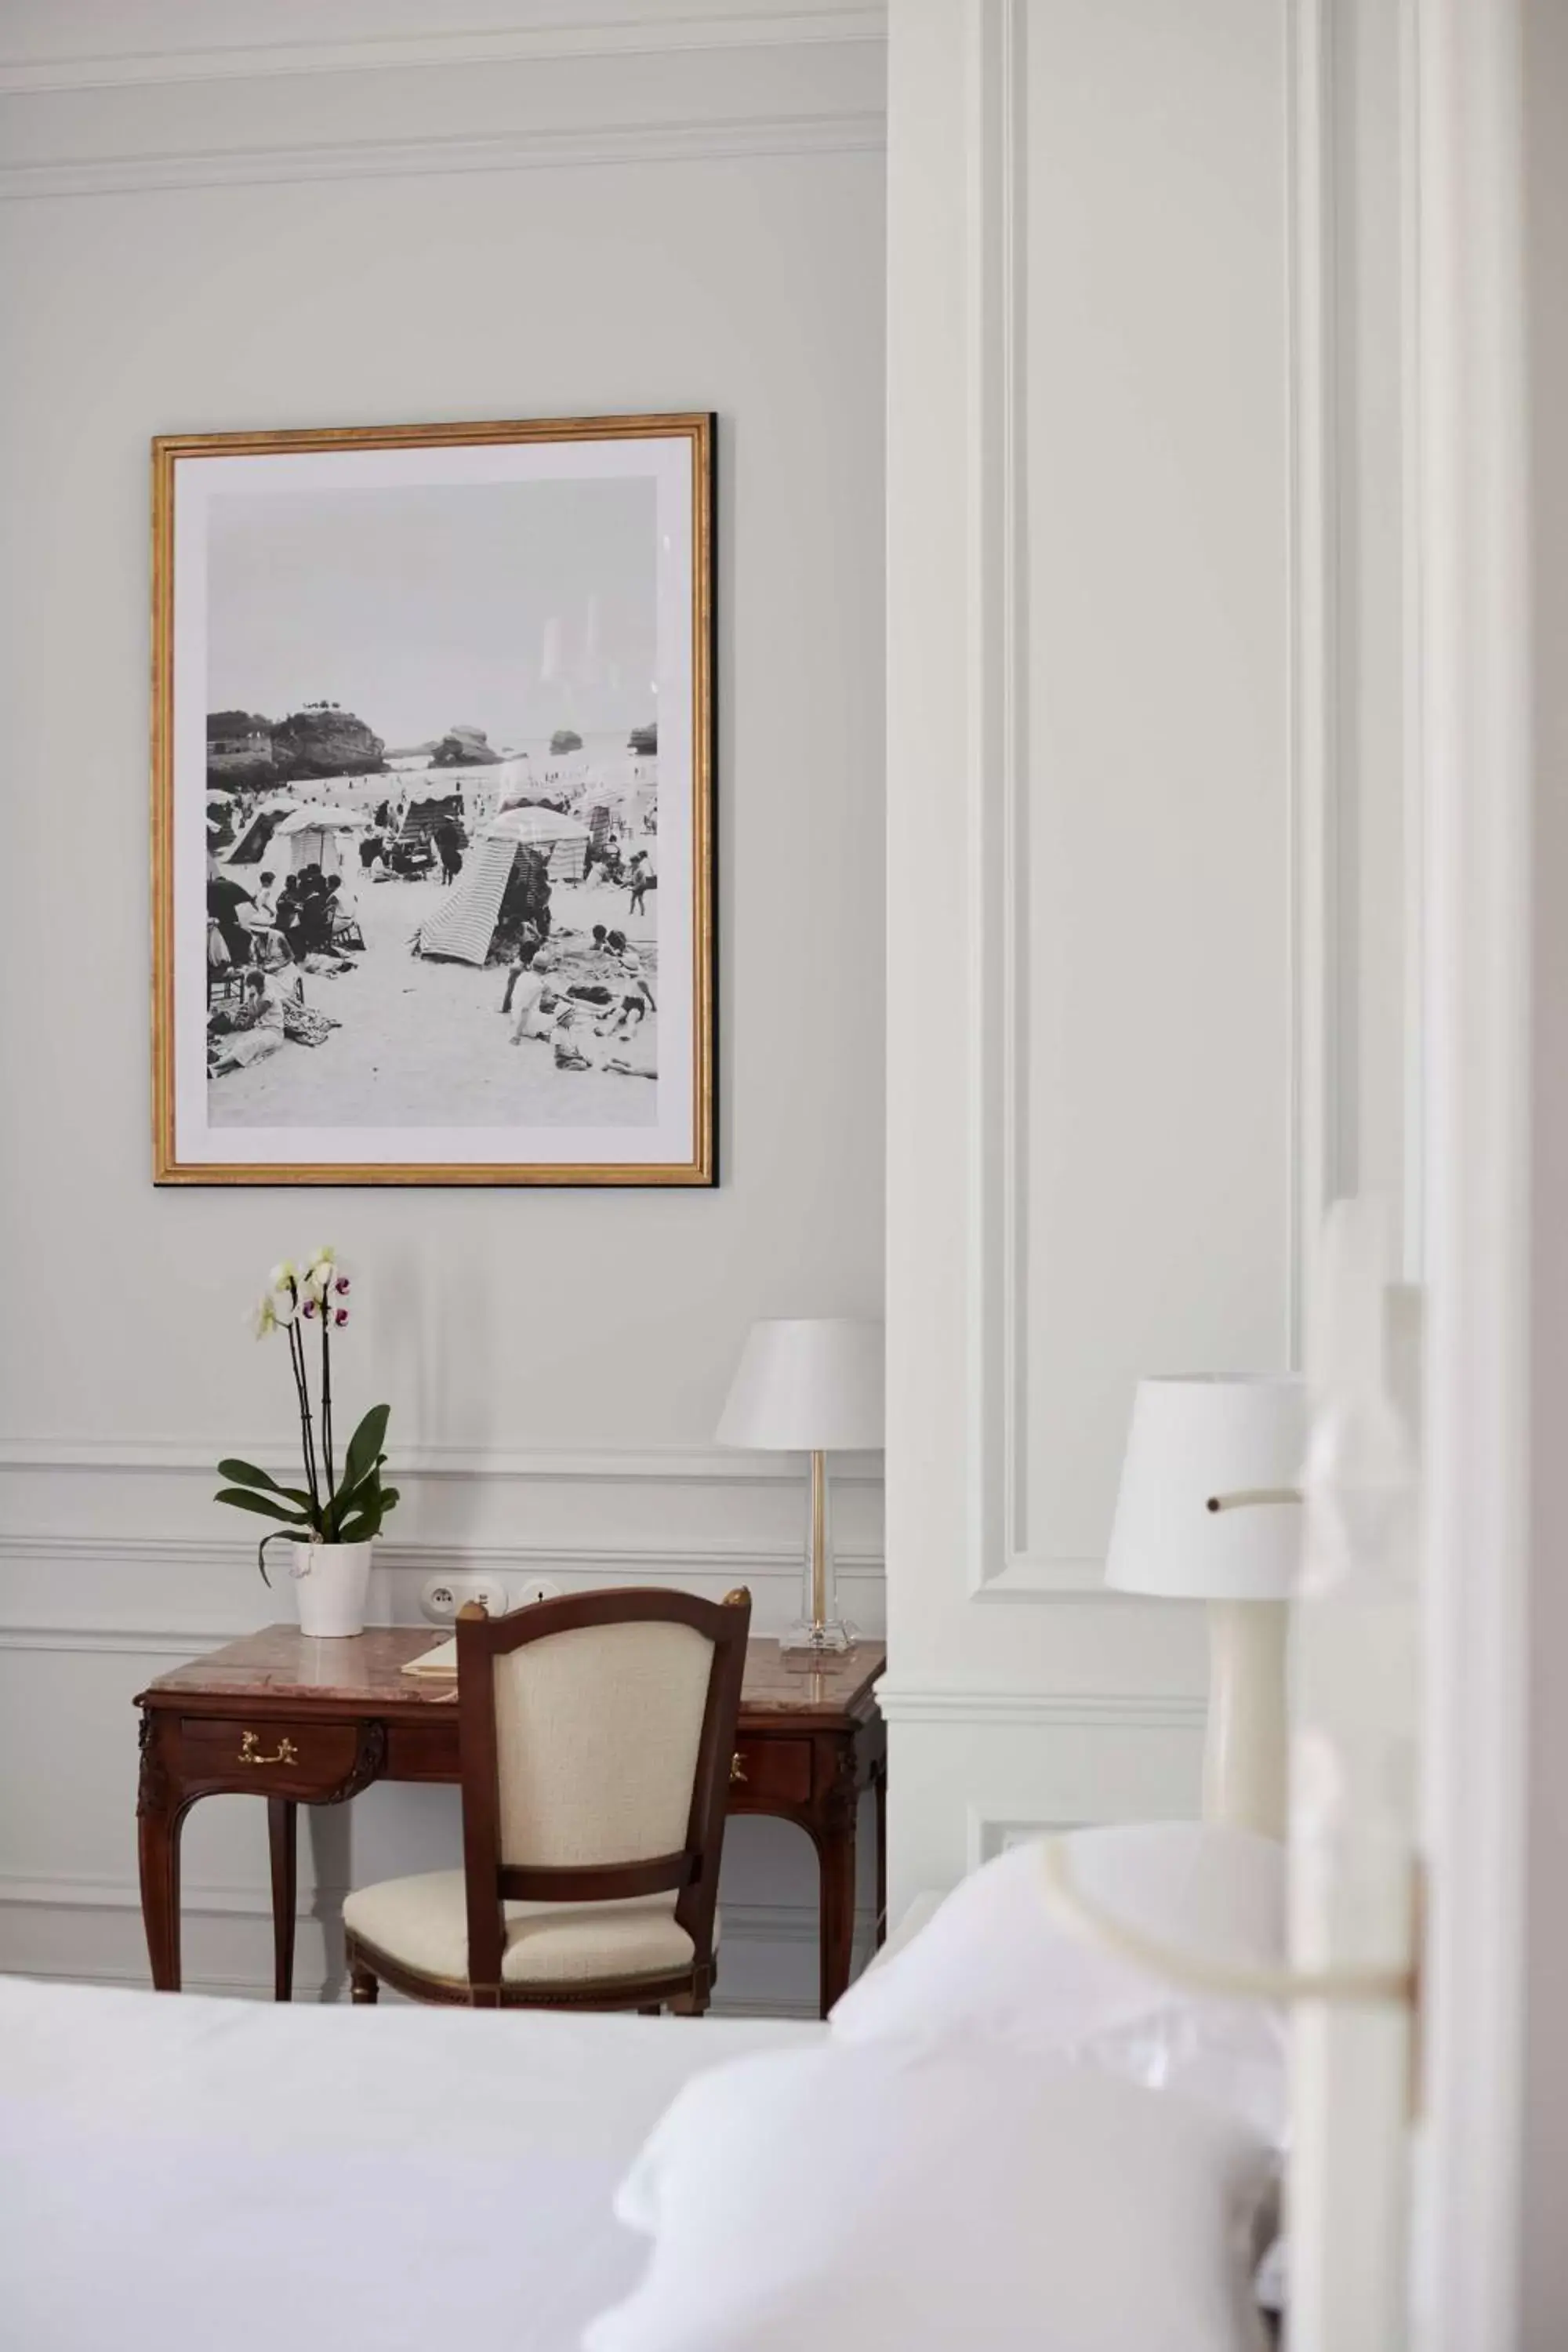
point(465, 923)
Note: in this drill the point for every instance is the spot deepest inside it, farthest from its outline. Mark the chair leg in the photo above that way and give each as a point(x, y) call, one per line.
point(364, 1987)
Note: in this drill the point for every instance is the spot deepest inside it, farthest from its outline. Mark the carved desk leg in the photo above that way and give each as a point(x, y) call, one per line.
point(834, 1837)
point(283, 1817)
point(160, 1813)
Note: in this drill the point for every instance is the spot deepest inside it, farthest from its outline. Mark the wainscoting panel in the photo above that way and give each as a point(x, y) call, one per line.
point(115, 1565)
point(984, 1769)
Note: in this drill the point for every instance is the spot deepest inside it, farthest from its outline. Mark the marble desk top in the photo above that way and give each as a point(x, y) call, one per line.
point(366, 1670)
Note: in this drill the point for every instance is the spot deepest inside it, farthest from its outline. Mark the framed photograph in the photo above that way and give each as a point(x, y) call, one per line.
point(433, 804)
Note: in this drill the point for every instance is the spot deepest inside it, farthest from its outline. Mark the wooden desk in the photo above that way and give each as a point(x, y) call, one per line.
point(306, 1722)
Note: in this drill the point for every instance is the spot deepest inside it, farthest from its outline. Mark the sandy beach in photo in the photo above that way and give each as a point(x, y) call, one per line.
point(423, 1044)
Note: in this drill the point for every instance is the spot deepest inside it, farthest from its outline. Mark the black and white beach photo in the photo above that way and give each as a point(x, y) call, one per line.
point(432, 863)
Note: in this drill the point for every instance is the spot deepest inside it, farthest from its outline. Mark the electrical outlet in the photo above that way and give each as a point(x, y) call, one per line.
point(537, 1587)
point(441, 1597)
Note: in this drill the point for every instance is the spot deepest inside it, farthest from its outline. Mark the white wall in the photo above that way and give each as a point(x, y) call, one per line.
point(1138, 687)
point(364, 221)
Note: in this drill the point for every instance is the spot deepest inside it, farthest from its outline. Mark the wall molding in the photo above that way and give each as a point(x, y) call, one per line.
point(703, 140)
point(989, 1834)
point(1008, 1562)
point(121, 1641)
point(639, 28)
point(140, 1552)
point(746, 1923)
point(998, 787)
point(197, 1456)
point(1314, 1173)
point(997, 1708)
point(765, 1939)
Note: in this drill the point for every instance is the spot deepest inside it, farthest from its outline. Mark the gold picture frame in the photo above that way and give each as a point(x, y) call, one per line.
point(677, 1144)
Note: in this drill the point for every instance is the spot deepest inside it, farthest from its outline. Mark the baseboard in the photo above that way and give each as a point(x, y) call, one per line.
point(332, 1995)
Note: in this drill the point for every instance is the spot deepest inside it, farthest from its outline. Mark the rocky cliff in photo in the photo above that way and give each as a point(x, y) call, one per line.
point(247, 749)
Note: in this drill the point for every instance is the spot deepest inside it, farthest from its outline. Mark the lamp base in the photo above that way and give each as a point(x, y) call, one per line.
point(1245, 1783)
point(832, 1637)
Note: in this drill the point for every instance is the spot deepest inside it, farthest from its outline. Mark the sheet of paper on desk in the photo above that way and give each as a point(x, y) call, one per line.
point(440, 1662)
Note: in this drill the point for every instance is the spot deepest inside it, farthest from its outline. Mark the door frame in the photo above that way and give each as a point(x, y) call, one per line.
point(1472, 566)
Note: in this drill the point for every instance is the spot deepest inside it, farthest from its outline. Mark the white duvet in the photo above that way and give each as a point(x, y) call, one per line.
point(176, 2168)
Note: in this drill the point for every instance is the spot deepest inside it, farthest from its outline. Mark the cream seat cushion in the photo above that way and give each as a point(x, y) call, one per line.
point(423, 1924)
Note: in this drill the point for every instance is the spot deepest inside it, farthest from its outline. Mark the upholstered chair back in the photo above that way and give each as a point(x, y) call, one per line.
point(597, 1735)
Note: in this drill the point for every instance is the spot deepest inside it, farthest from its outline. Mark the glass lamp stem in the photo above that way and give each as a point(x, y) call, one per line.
point(820, 1631)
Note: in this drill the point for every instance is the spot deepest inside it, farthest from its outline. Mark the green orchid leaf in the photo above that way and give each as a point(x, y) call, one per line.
point(246, 1474)
point(277, 1536)
point(364, 1445)
point(243, 1500)
point(347, 1501)
point(365, 1486)
point(367, 1521)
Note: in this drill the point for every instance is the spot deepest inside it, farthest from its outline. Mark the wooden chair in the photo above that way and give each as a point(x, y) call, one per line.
point(595, 1736)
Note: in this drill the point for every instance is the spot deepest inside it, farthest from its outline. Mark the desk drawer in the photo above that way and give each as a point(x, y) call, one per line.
point(285, 1760)
point(771, 1771)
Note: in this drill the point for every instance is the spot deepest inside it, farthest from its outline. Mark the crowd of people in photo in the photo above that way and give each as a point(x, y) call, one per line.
point(588, 1004)
point(309, 916)
point(261, 941)
point(604, 855)
point(587, 996)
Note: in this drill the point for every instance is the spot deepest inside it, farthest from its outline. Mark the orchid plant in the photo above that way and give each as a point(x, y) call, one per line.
point(330, 1507)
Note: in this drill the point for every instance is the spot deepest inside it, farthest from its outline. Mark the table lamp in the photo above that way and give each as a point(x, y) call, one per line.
point(810, 1386)
point(1210, 1508)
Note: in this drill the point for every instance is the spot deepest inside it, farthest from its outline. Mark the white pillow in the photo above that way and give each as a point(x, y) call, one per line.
point(933, 2198)
point(996, 1964)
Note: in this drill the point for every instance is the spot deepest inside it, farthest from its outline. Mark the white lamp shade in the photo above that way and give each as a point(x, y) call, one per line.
point(1194, 1439)
point(807, 1386)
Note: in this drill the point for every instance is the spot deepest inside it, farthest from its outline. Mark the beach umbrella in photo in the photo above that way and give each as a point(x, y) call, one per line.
point(535, 827)
point(314, 836)
point(252, 844)
point(562, 837)
point(630, 800)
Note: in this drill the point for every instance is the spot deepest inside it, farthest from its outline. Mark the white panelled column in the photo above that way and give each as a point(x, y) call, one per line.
point(1108, 851)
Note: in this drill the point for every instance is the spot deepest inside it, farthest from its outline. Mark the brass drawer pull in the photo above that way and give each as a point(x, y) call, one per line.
point(737, 1769)
point(286, 1753)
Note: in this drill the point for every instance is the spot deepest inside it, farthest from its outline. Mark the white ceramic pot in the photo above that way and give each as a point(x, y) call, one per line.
point(330, 1582)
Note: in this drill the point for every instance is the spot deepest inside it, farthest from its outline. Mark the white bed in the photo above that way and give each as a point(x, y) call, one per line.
point(177, 2166)
point(992, 2093)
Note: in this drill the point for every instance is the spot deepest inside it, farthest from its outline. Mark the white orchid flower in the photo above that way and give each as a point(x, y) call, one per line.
point(262, 1318)
point(320, 1268)
point(282, 1274)
point(284, 1308)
